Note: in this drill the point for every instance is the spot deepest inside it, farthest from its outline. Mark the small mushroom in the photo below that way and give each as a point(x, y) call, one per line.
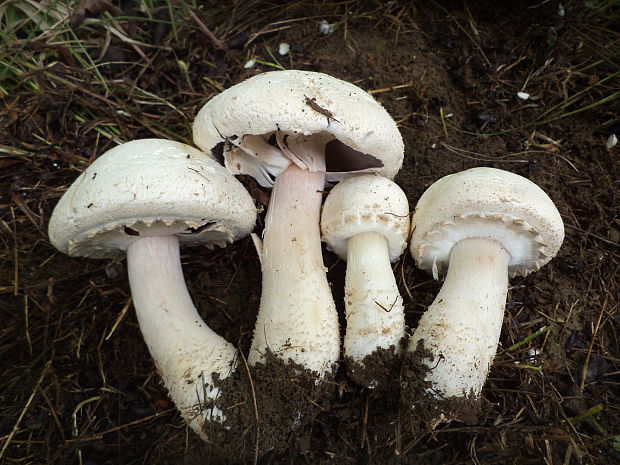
point(143, 198)
point(293, 130)
point(482, 225)
point(365, 221)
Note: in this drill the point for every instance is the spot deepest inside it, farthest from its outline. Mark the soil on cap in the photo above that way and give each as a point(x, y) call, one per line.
point(268, 409)
point(428, 407)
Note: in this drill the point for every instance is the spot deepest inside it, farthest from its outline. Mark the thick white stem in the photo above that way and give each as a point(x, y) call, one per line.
point(462, 326)
point(374, 307)
point(186, 351)
point(297, 318)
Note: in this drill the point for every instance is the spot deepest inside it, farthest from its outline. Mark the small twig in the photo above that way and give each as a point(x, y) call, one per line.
point(99, 436)
point(320, 407)
point(389, 89)
point(80, 88)
point(364, 437)
point(78, 407)
point(388, 310)
point(524, 366)
point(52, 412)
point(15, 257)
point(584, 370)
point(402, 277)
point(206, 31)
point(439, 359)
point(443, 121)
point(120, 317)
point(453, 18)
point(247, 369)
point(25, 409)
point(26, 324)
point(199, 173)
point(397, 216)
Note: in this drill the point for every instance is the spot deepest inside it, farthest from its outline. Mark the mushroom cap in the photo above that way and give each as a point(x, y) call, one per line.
point(282, 101)
point(486, 203)
point(150, 187)
point(365, 203)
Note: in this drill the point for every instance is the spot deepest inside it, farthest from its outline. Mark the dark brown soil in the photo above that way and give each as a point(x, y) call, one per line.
point(269, 409)
point(376, 371)
point(78, 385)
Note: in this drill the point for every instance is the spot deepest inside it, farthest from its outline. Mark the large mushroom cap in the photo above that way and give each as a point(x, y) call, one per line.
point(366, 203)
point(305, 103)
point(486, 203)
point(150, 187)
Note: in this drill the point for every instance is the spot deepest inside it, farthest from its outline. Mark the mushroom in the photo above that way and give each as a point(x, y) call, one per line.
point(144, 198)
point(482, 225)
point(294, 130)
point(365, 221)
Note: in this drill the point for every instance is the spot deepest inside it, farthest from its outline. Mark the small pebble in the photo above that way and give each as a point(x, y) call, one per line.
point(249, 64)
point(326, 28)
point(284, 48)
point(611, 142)
point(523, 95)
point(561, 11)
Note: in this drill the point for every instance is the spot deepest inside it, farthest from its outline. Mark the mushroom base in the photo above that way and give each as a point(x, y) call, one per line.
point(428, 407)
point(376, 370)
point(269, 408)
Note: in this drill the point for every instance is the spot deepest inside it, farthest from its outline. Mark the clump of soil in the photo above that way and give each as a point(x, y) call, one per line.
point(429, 407)
point(376, 371)
point(268, 408)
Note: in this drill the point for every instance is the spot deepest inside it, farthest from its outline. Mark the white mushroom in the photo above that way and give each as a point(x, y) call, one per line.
point(365, 221)
point(482, 225)
point(301, 128)
point(143, 198)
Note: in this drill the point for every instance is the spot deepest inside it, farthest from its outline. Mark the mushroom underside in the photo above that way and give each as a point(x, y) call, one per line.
point(265, 156)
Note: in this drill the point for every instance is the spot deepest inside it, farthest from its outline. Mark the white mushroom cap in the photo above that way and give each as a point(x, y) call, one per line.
point(280, 101)
point(150, 187)
point(486, 203)
point(366, 203)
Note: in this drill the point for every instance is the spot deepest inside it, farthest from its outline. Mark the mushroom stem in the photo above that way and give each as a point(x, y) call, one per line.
point(297, 319)
point(374, 307)
point(462, 326)
point(186, 351)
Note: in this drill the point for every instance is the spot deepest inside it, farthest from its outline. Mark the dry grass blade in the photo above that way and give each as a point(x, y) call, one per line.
point(15, 428)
